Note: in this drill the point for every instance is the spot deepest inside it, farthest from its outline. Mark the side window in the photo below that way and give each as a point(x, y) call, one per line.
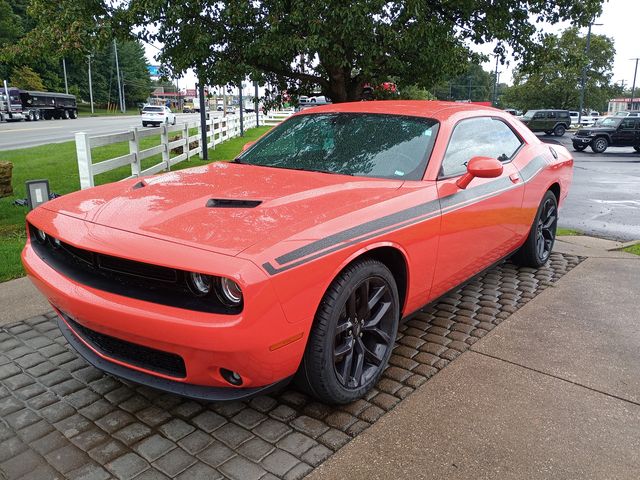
point(551, 114)
point(628, 124)
point(539, 115)
point(478, 137)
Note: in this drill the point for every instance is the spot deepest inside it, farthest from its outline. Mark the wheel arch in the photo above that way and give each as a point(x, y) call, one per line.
point(394, 257)
point(555, 188)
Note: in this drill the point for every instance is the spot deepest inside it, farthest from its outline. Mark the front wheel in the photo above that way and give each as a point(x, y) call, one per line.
point(353, 334)
point(599, 145)
point(537, 248)
point(579, 148)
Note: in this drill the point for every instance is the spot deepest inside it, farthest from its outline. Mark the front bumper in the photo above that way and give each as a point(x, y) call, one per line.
point(249, 343)
point(196, 392)
point(581, 141)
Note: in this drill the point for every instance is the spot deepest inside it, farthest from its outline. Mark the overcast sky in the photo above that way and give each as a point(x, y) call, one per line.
point(619, 21)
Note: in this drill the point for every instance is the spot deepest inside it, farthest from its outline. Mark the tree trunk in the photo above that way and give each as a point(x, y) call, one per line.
point(5, 179)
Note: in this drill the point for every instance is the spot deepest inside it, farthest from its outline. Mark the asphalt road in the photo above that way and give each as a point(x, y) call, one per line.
point(30, 134)
point(604, 200)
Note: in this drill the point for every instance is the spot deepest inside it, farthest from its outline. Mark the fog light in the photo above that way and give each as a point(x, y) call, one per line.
point(199, 284)
point(41, 236)
point(232, 377)
point(229, 292)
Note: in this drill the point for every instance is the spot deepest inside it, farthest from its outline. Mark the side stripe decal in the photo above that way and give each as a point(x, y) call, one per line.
point(401, 219)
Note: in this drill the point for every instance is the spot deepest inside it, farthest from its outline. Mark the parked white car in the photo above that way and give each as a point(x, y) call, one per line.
point(157, 115)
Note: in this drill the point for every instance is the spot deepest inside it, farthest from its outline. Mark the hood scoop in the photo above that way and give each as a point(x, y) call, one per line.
point(232, 203)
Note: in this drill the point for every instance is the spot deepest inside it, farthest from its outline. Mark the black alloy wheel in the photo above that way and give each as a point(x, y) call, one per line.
point(546, 229)
point(353, 334)
point(364, 333)
point(539, 243)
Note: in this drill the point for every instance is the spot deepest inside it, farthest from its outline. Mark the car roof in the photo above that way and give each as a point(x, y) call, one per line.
point(438, 110)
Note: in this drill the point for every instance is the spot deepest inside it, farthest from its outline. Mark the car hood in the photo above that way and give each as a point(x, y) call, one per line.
point(224, 207)
point(587, 131)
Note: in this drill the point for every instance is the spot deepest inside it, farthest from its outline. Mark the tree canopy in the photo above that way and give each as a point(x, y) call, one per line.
point(335, 46)
point(554, 80)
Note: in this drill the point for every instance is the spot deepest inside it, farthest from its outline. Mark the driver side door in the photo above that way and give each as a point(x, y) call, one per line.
point(483, 222)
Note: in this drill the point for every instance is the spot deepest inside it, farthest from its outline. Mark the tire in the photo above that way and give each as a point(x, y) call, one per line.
point(599, 144)
point(579, 148)
point(559, 131)
point(74, 114)
point(344, 358)
point(29, 118)
point(37, 115)
point(67, 116)
point(144, 124)
point(548, 132)
point(537, 247)
point(637, 148)
point(174, 121)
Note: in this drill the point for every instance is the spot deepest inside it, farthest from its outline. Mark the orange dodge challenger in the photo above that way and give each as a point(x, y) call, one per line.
point(299, 258)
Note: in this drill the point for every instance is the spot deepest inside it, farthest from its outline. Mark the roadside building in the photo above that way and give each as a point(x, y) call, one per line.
point(623, 104)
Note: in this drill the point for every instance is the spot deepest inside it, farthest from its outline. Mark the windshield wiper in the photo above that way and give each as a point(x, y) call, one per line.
point(322, 171)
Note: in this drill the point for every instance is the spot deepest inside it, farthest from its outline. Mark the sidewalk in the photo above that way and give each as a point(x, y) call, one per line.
point(554, 392)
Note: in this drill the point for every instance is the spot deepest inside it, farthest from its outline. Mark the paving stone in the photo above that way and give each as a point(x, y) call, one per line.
point(174, 462)
point(228, 409)
point(317, 454)
point(232, 435)
point(334, 439)
point(263, 403)
point(82, 398)
point(371, 414)
point(239, 468)
point(106, 452)
point(186, 409)
point(209, 421)
point(97, 409)
point(66, 458)
point(35, 431)
point(317, 410)
point(200, 471)
point(48, 443)
point(298, 472)
point(18, 381)
point(132, 433)
point(89, 471)
point(153, 416)
point(256, 449)
point(30, 391)
point(90, 438)
point(340, 420)
point(309, 426)
point(279, 462)
point(216, 454)
point(114, 421)
point(10, 405)
point(176, 429)
point(10, 448)
point(273, 430)
point(20, 464)
point(358, 426)
point(21, 418)
point(127, 466)
point(195, 442)
point(296, 443)
point(154, 447)
point(283, 413)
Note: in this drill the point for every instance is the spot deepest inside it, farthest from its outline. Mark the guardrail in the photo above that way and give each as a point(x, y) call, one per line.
point(219, 129)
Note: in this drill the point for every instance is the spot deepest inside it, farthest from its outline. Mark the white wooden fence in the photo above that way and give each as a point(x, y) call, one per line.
point(219, 129)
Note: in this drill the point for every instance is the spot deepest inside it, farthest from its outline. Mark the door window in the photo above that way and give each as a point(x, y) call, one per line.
point(628, 124)
point(551, 114)
point(478, 137)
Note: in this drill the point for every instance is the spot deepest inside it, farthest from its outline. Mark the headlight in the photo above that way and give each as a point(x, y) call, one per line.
point(199, 284)
point(41, 237)
point(229, 292)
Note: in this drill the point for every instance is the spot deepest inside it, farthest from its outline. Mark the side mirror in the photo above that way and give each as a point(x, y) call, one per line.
point(481, 167)
point(247, 145)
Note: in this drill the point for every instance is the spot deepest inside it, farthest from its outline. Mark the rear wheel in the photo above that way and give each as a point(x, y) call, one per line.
point(559, 130)
point(548, 132)
point(353, 334)
point(536, 249)
point(599, 145)
point(67, 115)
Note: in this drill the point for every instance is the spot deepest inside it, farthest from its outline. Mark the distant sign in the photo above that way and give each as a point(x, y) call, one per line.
point(154, 70)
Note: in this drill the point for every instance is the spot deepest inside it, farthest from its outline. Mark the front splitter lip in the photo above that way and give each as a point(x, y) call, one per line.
point(196, 392)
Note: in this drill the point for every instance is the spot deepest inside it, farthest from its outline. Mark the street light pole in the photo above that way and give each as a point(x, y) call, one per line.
point(495, 84)
point(64, 69)
point(120, 91)
point(90, 85)
point(241, 106)
point(584, 71)
point(633, 88)
point(256, 101)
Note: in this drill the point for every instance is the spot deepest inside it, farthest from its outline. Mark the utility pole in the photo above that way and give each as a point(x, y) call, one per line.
point(584, 71)
point(90, 85)
point(203, 122)
point(495, 83)
point(64, 69)
point(120, 90)
point(633, 88)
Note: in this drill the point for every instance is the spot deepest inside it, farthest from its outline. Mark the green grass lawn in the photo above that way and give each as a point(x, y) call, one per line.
point(567, 232)
point(85, 111)
point(58, 164)
point(635, 249)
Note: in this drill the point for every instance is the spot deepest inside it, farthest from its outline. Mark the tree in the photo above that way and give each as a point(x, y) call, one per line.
point(554, 80)
point(474, 84)
point(26, 79)
point(333, 45)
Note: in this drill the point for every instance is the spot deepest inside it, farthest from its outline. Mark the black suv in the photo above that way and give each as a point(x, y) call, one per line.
point(609, 132)
point(548, 121)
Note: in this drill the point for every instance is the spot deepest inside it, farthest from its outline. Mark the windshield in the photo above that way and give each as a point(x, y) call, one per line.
point(362, 144)
point(608, 122)
point(152, 109)
point(529, 114)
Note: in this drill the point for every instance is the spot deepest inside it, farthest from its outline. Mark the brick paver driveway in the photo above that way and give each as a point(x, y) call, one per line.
point(62, 418)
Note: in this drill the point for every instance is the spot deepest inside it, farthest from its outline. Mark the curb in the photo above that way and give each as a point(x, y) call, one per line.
point(624, 245)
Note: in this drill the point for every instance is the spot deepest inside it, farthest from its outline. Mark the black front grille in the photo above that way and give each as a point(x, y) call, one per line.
point(143, 281)
point(144, 357)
